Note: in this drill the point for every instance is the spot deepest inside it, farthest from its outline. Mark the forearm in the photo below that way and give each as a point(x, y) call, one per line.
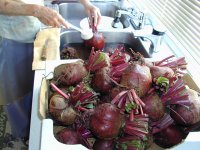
point(85, 2)
point(17, 8)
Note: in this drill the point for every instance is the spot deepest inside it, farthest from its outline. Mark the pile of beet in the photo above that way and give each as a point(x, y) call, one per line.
point(121, 101)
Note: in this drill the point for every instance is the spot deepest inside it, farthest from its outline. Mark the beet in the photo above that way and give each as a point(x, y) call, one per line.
point(61, 111)
point(106, 121)
point(187, 115)
point(57, 102)
point(69, 53)
point(131, 143)
point(68, 116)
point(137, 77)
point(157, 71)
point(69, 136)
point(101, 81)
point(103, 145)
point(153, 107)
point(97, 41)
point(169, 137)
point(71, 73)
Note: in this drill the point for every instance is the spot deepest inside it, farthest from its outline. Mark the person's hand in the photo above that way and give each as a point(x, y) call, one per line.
point(93, 12)
point(50, 17)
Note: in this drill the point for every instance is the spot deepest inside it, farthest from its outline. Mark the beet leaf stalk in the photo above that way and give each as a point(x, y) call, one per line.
point(138, 127)
point(85, 134)
point(129, 102)
point(130, 143)
point(97, 60)
point(118, 57)
point(176, 95)
point(177, 65)
point(83, 96)
point(161, 124)
point(116, 71)
point(59, 91)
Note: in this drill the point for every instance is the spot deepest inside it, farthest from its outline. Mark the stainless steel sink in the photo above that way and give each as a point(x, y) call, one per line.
point(74, 12)
point(112, 39)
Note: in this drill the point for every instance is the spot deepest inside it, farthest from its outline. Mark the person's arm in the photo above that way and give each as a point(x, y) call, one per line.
point(16, 8)
point(92, 11)
point(44, 14)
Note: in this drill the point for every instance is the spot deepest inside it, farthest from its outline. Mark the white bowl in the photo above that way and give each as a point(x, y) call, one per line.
point(106, 23)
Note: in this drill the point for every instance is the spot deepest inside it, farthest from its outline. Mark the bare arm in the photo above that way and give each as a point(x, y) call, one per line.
point(16, 8)
point(44, 14)
point(92, 11)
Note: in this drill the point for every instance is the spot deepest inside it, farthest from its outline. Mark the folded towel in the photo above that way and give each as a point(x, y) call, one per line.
point(52, 35)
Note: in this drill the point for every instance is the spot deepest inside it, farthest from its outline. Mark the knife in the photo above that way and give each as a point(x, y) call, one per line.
point(44, 50)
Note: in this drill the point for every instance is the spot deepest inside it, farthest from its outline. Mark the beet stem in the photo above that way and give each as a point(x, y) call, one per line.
point(59, 91)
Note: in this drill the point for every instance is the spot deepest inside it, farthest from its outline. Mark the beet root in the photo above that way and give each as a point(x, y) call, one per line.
point(106, 121)
point(169, 137)
point(103, 145)
point(187, 115)
point(69, 136)
point(71, 73)
point(61, 111)
point(137, 77)
point(153, 107)
point(157, 71)
point(101, 81)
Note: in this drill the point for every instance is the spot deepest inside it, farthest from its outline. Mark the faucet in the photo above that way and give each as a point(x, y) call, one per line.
point(137, 18)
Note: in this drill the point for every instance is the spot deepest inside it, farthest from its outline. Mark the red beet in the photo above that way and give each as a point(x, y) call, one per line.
point(69, 136)
point(115, 91)
point(157, 71)
point(137, 77)
point(97, 41)
point(106, 121)
point(103, 145)
point(153, 107)
point(187, 115)
point(101, 81)
point(69, 53)
point(60, 110)
point(71, 73)
point(169, 137)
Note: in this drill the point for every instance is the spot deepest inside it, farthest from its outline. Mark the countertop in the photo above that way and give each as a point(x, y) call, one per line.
point(36, 120)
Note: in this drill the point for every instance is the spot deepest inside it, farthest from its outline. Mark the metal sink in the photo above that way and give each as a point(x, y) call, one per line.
point(74, 12)
point(112, 40)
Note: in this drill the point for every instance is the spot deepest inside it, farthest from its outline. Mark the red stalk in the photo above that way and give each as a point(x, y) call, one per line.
point(121, 102)
point(118, 61)
point(167, 58)
point(117, 97)
point(81, 108)
point(85, 96)
point(177, 114)
point(91, 57)
point(161, 124)
point(116, 52)
point(135, 131)
point(131, 115)
point(59, 91)
point(117, 70)
point(136, 98)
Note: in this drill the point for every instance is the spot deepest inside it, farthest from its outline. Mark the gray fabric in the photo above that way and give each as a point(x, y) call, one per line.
point(19, 28)
point(16, 75)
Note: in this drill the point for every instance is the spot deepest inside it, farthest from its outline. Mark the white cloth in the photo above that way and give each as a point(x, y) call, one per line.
point(20, 28)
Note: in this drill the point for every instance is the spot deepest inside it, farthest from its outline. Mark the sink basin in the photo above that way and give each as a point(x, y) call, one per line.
point(74, 12)
point(113, 39)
